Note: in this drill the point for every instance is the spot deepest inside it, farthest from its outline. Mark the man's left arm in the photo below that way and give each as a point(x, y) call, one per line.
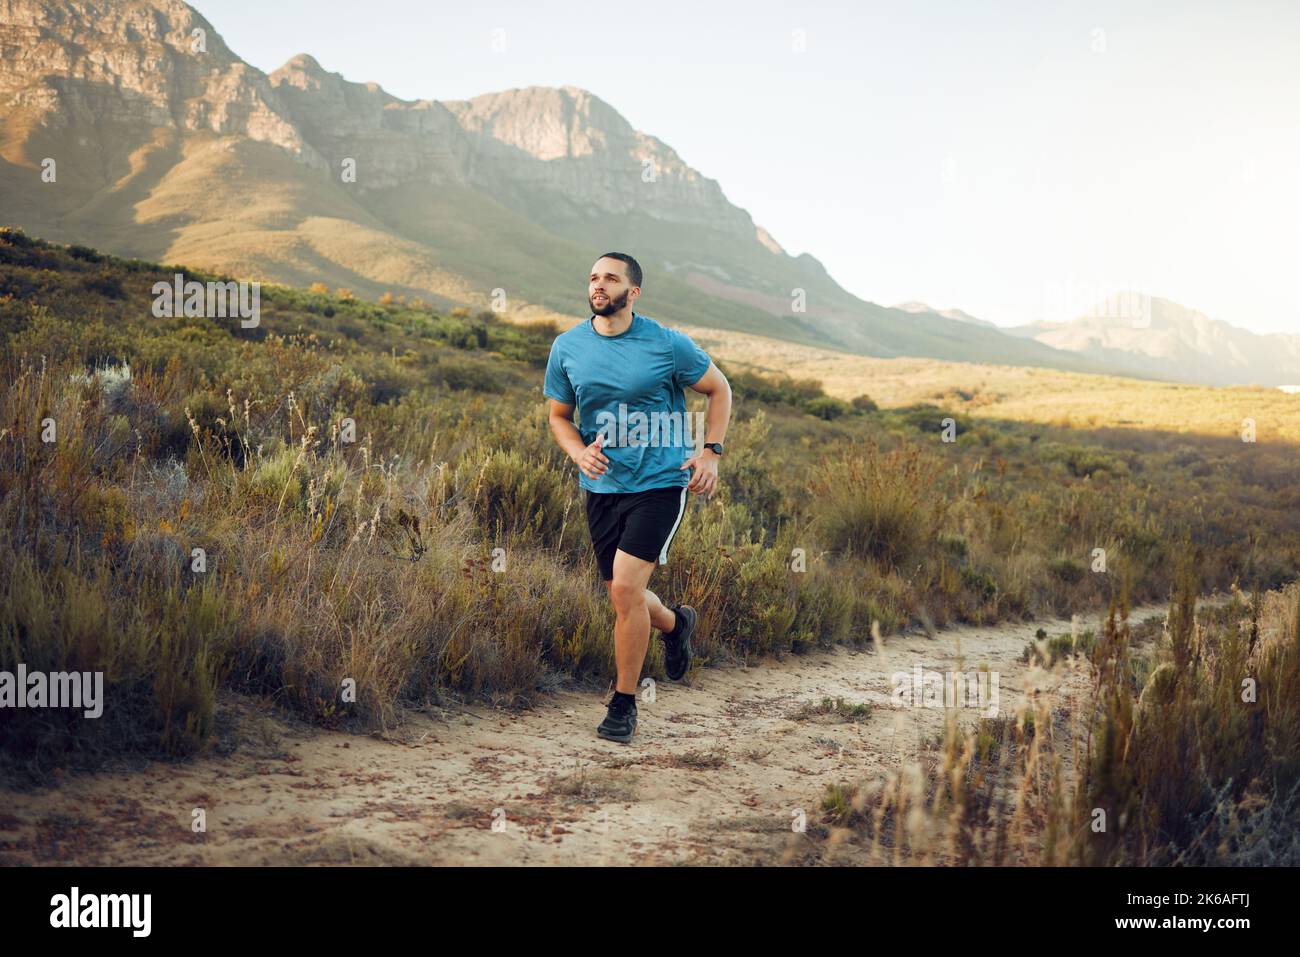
point(704, 477)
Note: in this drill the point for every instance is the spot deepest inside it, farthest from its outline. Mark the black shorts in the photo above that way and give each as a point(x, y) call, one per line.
point(641, 523)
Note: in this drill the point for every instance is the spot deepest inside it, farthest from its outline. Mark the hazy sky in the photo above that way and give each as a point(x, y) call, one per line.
point(1016, 160)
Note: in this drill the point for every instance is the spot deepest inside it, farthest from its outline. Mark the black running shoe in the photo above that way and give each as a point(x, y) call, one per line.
point(677, 651)
point(620, 720)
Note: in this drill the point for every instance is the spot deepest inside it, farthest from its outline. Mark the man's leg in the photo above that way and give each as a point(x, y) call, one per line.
point(635, 609)
point(661, 616)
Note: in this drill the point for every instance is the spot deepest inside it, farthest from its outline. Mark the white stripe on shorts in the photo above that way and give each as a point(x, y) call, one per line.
point(663, 553)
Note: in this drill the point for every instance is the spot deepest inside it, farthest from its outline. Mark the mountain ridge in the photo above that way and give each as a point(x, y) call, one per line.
point(1160, 335)
point(175, 153)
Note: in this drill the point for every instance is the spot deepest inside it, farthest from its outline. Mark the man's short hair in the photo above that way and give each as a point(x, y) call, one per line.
point(633, 267)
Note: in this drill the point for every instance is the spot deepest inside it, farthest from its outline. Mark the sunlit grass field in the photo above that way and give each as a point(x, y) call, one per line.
point(1021, 394)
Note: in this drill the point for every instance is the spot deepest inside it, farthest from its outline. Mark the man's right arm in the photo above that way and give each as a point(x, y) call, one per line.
point(557, 387)
point(566, 433)
point(588, 458)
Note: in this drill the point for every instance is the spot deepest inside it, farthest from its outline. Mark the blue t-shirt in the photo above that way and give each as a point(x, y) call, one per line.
point(630, 387)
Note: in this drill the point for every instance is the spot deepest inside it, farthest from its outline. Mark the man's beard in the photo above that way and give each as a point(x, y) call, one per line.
point(611, 305)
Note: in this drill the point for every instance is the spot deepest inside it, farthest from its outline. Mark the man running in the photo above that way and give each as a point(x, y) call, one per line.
point(625, 372)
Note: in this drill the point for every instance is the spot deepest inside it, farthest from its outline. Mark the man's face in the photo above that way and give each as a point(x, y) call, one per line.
point(608, 289)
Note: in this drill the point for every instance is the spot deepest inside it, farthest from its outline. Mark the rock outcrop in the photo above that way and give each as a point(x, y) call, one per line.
point(96, 62)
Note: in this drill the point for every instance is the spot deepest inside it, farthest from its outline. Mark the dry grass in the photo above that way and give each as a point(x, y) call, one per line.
point(1187, 753)
point(444, 553)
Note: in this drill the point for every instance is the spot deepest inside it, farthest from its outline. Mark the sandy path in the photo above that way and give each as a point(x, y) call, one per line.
point(714, 775)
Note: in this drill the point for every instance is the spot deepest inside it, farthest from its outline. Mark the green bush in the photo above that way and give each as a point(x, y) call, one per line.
point(876, 504)
point(513, 497)
point(825, 407)
point(1067, 570)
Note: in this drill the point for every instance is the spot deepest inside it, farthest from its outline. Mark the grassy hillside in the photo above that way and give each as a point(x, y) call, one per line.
point(374, 561)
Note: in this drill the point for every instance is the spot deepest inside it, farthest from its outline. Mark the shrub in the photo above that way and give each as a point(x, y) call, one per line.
point(85, 253)
point(877, 505)
point(105, 283)
point(514, 497)
point(1067, 570)
point(825, 407)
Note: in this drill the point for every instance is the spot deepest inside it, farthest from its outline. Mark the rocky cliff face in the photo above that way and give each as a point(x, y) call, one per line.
point(392, 141)
point(92, 62)
point(559, 152)
point(160, 63)
point(574, 146)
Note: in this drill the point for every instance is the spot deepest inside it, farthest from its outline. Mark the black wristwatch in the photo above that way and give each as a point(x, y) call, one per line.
point(715, 446)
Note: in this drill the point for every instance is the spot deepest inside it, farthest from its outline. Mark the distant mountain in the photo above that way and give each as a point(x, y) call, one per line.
point(1157, 338)
point(167, 146)
point(956, 315)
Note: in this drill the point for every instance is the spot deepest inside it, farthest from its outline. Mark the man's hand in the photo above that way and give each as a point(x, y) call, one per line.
point(592, 462)
point(704, 478)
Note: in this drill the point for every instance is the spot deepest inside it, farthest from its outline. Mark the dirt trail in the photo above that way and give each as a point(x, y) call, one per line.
point(714, 775)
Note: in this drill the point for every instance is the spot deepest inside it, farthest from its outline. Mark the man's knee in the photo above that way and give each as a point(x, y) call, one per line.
point(626, 595)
